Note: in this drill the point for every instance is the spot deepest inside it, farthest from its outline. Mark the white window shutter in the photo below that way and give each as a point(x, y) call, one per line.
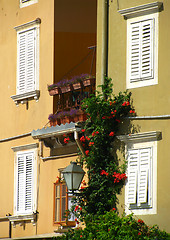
point(26, 61)
point(25, 182)
point(135, 46)
point(147, 48)
point(145, 157)
point(141, 50)
point(29, 183)
point(133, 159)
point(20, 184)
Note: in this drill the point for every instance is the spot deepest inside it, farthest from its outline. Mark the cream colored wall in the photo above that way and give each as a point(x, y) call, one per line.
point(18, 120)
point(151, 100)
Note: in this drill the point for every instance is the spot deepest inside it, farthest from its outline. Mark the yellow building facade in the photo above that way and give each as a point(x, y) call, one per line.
point(133, 49)
point(41, 42)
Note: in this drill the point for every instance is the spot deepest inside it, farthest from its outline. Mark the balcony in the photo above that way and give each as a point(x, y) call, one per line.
point(68, 96)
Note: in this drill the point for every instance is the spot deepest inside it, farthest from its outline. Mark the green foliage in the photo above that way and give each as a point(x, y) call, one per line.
point(106, 176)
point(111, 226)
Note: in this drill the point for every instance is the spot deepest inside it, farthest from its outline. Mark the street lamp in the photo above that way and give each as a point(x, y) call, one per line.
point(73, 175)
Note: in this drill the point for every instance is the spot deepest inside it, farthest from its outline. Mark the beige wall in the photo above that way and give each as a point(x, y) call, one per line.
point(67, 28)
point(150, 100)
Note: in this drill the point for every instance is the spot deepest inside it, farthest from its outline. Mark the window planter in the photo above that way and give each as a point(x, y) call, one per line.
point(54, 91)
point(67, 88)
point(88, 82)
point(77, 85)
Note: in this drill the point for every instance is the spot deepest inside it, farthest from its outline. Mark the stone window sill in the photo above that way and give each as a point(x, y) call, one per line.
point(24, 97)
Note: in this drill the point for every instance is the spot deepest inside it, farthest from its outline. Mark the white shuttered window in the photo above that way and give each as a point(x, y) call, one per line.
point(142, 51)
point(26, 81)
point(139, 186)
point(25, 182)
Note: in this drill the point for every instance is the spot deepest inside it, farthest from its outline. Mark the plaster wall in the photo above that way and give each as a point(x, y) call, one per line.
point(151, 100)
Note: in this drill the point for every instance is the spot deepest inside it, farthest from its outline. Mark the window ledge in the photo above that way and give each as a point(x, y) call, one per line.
point(24, 97)
point(141, 10)
point(20, 219)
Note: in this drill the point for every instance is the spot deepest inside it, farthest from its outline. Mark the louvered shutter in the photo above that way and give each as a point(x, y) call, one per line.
point(26, 61)
point(135, 33)
point(144, 169)
point(20, 184)
point(29, 183)
point(25, 182)
point(133, 159)
point(147, 49)
point(141, 50)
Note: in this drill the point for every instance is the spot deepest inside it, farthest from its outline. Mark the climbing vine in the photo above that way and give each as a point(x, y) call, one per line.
point(106, 176)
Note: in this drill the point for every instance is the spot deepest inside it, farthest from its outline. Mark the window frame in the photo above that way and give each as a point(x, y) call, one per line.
point(61, 222)
point(24, 96)
point(148, 81)
point(34, 182)
point(142, 141)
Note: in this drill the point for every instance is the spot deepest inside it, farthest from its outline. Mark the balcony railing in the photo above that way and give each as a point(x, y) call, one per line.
point(68, 97)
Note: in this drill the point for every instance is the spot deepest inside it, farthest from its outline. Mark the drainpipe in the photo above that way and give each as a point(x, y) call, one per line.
point(76, 137)
point(102, 37)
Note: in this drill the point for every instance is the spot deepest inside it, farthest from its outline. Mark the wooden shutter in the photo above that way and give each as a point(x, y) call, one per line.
point(141, 50)
point(147, 49)
point(26, 61)
point(133, 159)
point(135, 33)
point(144, 168)
point(25, 182)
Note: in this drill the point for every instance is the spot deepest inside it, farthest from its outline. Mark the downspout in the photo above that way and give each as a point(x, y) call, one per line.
point(76, 137)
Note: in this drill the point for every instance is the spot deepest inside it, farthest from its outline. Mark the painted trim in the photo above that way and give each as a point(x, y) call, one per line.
point(27, 3)
point(141, 10)
point(23, 98)
point(138, 137)
point(25, 147)
point(28, 24)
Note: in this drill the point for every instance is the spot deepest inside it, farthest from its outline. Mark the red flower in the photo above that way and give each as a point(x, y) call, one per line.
point(113, 209)
point(88, 139)
point(80, 208)
point(76, 208)
point(66, 140)
point(103, 172)
point(112, 112)
point(104, 117)
point(93, 134)
point(140, 221)
point(131, 111)
point(83, 130)
point(87, 152)
point(111, 134)
point(82, 139)
point(115, 111)
point(139, 233)
point(97, 132)
point(81, 236)
point(108, 229)
point(91, 143)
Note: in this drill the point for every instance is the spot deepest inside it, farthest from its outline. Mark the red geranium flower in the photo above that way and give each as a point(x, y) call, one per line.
point(83, 130)
point(111, 134)
point(87, 152)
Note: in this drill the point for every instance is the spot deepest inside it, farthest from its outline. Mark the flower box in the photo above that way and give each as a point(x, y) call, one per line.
point(88, 82)
point(77, 85)
point(67, 88)
point(54, 91)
